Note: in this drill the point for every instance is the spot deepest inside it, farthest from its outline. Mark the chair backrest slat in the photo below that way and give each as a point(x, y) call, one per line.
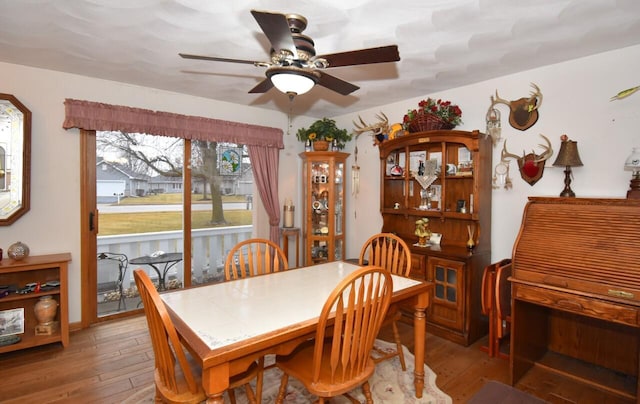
point(387, 251)
point(354, 313)
point(252, 257)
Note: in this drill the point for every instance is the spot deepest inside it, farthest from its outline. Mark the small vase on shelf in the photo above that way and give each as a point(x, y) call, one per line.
point(470, 243)
point(18, 250)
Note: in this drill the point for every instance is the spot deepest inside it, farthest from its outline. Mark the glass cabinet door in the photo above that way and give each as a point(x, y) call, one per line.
point(446, 307)
point(324, 223)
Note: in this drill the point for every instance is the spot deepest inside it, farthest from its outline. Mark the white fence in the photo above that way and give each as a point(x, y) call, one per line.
point(209, 250)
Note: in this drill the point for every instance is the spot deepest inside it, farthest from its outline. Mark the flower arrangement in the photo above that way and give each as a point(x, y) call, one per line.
point(448, 115)
point(324, 129)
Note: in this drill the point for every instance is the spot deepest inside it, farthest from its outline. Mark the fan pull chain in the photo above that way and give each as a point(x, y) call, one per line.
point(355, 174)
point(289, 121)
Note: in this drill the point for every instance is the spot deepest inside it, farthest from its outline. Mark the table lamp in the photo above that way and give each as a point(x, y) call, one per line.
point(633, 164)
point(568, 157)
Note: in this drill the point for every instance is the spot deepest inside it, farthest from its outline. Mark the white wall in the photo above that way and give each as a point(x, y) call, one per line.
point(576, 102)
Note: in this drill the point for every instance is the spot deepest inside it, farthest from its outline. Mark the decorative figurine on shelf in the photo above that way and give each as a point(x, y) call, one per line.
point(423, 232)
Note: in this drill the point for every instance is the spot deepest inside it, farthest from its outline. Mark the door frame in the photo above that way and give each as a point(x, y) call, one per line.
point(89, 228)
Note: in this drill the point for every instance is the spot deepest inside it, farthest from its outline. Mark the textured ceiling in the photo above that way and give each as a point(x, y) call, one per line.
point(442, 43)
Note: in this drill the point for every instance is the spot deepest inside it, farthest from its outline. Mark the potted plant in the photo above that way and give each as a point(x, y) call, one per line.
point(432, 115)
point(322, 132)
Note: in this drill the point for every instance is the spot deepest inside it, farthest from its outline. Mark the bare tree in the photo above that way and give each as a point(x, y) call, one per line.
point(148, 155)
point(209, 173)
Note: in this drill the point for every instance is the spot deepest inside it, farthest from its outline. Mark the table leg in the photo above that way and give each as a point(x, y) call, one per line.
point(419, 327)
point(167, 267)
point(215, 382)
point(160, 277)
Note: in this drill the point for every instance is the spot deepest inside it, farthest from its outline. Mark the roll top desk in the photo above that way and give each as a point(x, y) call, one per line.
point(576, 293)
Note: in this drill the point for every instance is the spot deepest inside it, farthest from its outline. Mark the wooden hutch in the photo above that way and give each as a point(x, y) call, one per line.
point(459, 201)
point(576, 294)
point(323, 207)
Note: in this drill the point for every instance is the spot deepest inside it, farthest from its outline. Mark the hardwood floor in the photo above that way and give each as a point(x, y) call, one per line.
point(110, 361)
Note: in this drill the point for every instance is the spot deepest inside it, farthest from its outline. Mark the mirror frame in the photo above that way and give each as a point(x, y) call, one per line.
point(26, 161)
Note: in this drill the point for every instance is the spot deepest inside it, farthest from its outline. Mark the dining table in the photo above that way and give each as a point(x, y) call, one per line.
point(161, 264)
point(228, 325)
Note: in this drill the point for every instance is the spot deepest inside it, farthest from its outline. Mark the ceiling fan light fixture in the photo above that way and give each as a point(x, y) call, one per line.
point(292, 80)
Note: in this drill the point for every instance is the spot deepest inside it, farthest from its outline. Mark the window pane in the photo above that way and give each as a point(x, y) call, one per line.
point(221, 206)
point(139, 191)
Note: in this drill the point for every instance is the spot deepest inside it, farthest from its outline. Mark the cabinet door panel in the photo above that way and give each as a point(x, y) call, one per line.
point(447, 306)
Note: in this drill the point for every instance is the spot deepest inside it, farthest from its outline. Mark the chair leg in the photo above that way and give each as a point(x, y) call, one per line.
point(283, 388)
point(367, 392)
point(396, 337)
point(232, 396)
point(251, 398)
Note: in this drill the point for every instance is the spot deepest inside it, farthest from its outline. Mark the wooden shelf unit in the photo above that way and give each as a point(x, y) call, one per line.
point(40, 269)
point(455, 309)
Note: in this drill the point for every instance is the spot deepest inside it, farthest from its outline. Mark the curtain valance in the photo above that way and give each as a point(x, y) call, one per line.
point(90, 115)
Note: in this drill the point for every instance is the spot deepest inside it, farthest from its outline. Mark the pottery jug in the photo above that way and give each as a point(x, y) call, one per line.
point(45, 310)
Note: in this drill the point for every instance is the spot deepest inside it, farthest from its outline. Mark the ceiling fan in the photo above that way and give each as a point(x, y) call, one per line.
point(294, 68)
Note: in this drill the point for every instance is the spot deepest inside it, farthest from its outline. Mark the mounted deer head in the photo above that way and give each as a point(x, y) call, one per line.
point(378, 129)
point(523, 112)
point(531, 165)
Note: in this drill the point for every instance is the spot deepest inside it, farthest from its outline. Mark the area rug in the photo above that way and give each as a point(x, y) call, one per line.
point(389, 385)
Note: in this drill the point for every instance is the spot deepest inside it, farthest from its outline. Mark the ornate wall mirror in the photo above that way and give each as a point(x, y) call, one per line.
point(15, 159)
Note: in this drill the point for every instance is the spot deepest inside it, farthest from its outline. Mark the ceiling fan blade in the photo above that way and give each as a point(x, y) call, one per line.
point(262, 87)
point(363, 56)
point(276, 28)
point(336, 84)
point(216, 59)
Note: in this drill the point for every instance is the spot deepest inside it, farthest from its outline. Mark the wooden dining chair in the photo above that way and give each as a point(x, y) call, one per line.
point(390, 252)
point(255, 256)
point(496, 304)
point(177, 376)
point(338, 359)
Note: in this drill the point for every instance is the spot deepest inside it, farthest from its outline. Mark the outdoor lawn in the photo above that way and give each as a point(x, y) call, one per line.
point(146, 222)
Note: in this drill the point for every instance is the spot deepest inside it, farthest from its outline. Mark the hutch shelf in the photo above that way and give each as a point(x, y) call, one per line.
point(323, 175)
point(458, 206)
point(36, 269)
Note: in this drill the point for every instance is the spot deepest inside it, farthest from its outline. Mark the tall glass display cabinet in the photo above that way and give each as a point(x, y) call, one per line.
point(323, 206)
